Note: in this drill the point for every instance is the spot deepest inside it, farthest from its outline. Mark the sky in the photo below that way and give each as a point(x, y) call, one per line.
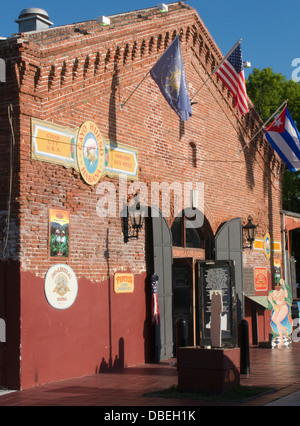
point(270, 29)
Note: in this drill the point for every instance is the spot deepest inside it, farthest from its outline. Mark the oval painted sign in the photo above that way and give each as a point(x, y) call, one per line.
point(90, 153)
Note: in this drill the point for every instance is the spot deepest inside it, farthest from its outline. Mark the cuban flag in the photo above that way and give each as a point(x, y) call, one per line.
point(284, 137)
point(169, 74)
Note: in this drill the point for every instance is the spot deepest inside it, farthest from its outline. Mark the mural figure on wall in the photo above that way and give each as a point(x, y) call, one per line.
point(280, 302)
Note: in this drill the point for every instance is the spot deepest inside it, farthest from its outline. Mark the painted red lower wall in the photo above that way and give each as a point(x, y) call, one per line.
point(102, 329)
point(10, 312)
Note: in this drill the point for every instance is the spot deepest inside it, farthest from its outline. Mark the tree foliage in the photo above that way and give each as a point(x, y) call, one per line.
point(268, 91)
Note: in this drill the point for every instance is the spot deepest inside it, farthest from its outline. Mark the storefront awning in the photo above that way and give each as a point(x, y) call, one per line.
point(260, 300)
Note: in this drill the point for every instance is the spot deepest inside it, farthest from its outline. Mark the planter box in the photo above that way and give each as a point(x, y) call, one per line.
point(208, 370)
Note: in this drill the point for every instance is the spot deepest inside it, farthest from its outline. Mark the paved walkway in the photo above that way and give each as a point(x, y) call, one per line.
point(277, 369)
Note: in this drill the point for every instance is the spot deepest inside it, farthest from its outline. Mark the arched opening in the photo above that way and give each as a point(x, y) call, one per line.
point(186, 236)
point(191, 244)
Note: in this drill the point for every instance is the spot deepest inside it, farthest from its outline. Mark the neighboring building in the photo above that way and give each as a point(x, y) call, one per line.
point(64, 86)
point(291, 226)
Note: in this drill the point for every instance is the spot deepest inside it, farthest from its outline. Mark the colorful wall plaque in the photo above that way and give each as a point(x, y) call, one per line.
point(261, 279)
point(83, 149)
point(59, 232)
point(90, 153)
point(124, 283)
point(265, 246)
point(54, 144)
point(61, 287)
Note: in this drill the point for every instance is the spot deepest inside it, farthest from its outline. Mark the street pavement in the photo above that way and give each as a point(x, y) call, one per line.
point(277, 369)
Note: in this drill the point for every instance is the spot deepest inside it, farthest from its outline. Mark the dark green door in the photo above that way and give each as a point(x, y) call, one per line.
point(163, 259)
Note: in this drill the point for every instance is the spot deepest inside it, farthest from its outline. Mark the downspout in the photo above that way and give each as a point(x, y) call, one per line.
point(284, 244)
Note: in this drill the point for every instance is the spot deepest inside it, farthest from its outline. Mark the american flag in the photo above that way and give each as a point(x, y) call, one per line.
point(231, 72)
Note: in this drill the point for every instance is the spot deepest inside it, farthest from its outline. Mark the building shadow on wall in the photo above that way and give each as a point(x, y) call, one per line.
point(249, 160)
point(181, 129)
point(249, 152)
point(113, 105)
point(119, 361)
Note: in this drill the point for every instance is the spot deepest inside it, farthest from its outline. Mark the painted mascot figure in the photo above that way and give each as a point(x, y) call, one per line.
point(280, 303)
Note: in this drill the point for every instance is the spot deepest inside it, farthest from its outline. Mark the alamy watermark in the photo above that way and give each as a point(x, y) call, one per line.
point(169, 199)
point(296, 332)
point(296, 72)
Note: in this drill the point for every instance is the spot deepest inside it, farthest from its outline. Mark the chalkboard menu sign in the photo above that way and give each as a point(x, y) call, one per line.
point(217, 278)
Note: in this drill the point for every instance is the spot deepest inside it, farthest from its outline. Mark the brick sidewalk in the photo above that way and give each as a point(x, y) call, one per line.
point(277, 369)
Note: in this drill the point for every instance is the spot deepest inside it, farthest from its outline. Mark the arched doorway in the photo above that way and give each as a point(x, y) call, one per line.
point(191, 245)
point(174, 258)
point(186, 236)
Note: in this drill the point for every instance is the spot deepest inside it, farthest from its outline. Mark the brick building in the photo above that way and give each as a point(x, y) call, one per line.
point(66, 82)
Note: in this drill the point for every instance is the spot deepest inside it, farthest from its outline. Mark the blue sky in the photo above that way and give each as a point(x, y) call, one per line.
point(269, 28)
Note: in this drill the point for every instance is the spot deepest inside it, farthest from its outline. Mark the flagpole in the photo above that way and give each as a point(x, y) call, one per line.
point(216, 69)
point(122, 105)
point(263, 126)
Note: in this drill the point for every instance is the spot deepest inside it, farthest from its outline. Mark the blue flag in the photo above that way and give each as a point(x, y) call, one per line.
point(284, 137)
point(168, 73)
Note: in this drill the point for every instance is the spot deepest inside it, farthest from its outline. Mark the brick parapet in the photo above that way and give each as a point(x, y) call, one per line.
point(67, 86)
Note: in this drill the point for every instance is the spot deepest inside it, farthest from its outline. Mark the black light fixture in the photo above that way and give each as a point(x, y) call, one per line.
point(136, 213)
point(137, 216)
point(250, 231)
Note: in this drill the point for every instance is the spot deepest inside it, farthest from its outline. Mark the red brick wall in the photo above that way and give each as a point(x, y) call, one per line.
point(66, 78)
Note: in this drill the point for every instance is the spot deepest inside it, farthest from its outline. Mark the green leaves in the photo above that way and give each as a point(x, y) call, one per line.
point(269, 90)
point(59, 248)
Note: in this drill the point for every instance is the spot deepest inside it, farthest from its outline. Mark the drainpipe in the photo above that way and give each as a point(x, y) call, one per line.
point(284, 244)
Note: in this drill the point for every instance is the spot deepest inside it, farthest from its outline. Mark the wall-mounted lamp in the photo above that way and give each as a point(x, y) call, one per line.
point(163, 8)
point(250, 231)
point(134, 221)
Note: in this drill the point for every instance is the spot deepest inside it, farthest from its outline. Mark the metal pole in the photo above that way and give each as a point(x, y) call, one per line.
point(219, 66)
point(245, 347)
point(122, 105)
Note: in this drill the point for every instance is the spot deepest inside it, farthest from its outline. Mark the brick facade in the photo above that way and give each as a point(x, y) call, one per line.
point(71, 74)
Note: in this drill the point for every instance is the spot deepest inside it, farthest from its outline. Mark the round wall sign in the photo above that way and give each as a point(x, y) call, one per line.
point(61, 286)
point(90, 153)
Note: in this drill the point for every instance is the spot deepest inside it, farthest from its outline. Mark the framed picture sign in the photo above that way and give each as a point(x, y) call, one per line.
point(59, 233)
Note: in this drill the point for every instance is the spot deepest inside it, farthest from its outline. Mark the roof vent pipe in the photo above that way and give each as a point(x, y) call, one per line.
point(33, 19)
